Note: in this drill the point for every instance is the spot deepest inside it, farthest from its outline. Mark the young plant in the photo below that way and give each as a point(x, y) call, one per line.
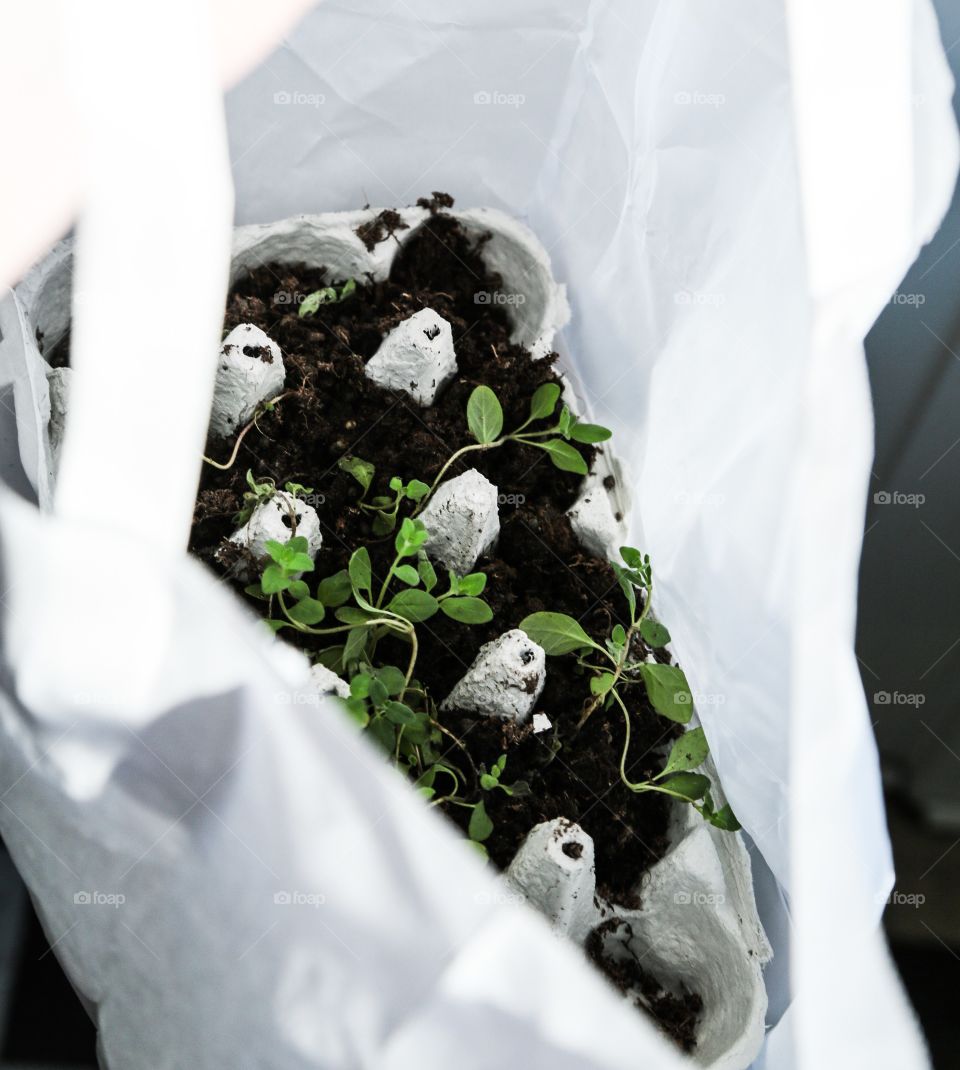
point(485, 422)
point(328, 295)
point(615, 666)
point(385, 509)
point(262, 491)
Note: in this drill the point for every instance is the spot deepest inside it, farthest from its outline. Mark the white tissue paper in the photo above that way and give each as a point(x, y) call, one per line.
point(730, 193)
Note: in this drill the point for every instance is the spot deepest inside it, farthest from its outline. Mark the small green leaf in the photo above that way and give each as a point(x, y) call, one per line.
point(378, 692)
point(362, 471)
point(256, 591)
point(352, 615)
point(331, 657)
point(563, 455)
point(391, 678)
point(544, 401)
point(411, 536)
point(480, 826)
point(566, 421)
point(414, 605)
point(668, 691)
point(618, 635)
point(274, 580)
point(307, 611)
point(589, 433)
point(335, 589)
point(360, 685)
point(484, 415)
point(360, 570)
point(467, 610)
point(690, 750)
point(417, 490)
point(473, 584)
point(632, 557)
point(399, 713)
point(557, 633)
point(654, 633)
point(407, 574)
point(689, 785)
point(355, 644)
point(298, 589)
point(724, 818)
point(488, 782)
point(384, 732)
point(427, 572)
point(276, 550)
point(348, 289)
point(600, 685)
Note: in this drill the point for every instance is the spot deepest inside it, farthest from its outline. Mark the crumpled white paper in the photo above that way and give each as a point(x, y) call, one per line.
point(730, 194)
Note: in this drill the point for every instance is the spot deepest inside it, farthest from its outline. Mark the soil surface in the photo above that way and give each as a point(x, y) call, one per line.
point(331, 410)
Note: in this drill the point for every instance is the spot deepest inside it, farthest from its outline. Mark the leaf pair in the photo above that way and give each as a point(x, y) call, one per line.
point(328, 295)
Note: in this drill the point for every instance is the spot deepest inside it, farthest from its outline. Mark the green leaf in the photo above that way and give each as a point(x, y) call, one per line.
point(427, 572)
point(392, 679)
point(566, 421)
point(312, 302)
point(414, 605)
point(256, 591)
point(689, 785)
point(360, 685)
point(632, 557)
point(484, 415)
point(276, 550)
point(480, 826)
point(654, 633)
point(348, 289)
point(335, 589)
point(331, 657)
point(276, 625)
point(589, 433)
point(360, 570)
point(668, 691)
point(299, 563)
point(473, 584)
point(417, 490)
point(627, 586)
point(411, 536)
point(563, 455)
point(355, 645)
point(399, 713)
point(619, 635)
point(378, 692)
point(384, 732)
point(690, 750)
point(362, 471)
point(600, 685)
point(298, 589)
point(467, 610)
point(307, 611)
point(408, 574)
point(557, 633)
point(488, 782)
point(544, 401)
point(724, 818)
point(352, 615)
point(274, 580)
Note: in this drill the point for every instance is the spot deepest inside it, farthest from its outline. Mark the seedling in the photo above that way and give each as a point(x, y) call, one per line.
point(616, 665)
point(262, 491)
point(329, 295)
point(485, 422)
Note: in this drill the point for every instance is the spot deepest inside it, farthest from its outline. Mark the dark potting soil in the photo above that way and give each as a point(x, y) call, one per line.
point(332, 410)
point(677, 1012)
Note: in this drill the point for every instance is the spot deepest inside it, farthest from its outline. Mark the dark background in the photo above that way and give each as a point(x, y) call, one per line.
point(908, 644)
